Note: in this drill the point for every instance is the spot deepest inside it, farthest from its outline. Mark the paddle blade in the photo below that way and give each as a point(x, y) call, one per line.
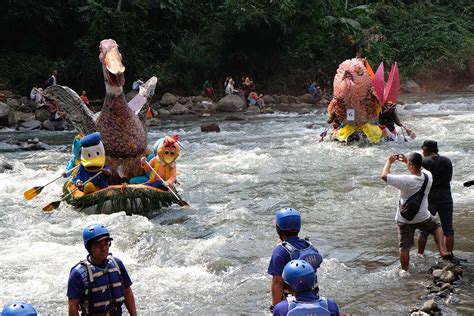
point(32, 193)
point(183, 203)
point(51, 206)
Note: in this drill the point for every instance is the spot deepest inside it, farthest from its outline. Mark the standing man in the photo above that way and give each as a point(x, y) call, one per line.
point(410, 185)
point(440, 199)
point(290, 247)
point(100, 284)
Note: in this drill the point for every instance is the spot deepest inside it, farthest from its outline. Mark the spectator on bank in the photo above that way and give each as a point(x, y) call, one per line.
point(315, 92)
point(207, 89)
point(230, 87)
point(53, 79)
point(256, 99)
point(137, 84)
point(84, 98)
point(226, 82)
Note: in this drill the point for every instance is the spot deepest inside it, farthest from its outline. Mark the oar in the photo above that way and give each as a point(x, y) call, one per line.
point(54, 205)
point(323, 134)
point(33, 192)
point(403, 133)
point(181, 202)
point(410, 133)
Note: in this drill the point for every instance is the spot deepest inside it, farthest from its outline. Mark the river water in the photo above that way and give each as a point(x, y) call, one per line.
point(212, 258)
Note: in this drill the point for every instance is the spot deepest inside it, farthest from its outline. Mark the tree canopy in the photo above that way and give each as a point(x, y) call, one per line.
point(282, 44)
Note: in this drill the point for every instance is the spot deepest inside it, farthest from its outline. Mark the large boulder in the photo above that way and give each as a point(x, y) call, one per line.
point(42, 114)
point(55, 125)
point(6, 115)
point(306, 98)
point(213, 127)
point(230, 103)
point(268, 99)
point(179, 108)
point(470, 88)
point(168, 99)
point(410, 86)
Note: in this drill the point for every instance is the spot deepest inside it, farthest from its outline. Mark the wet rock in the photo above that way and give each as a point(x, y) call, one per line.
point(55, 125)
point(410, 86)
point(253, 109)
point(162, 111)
point(230, 103)
point(32, 144)
point(168, 99)
point(234, 118)
point(306, 98)
point(29, 125)
point(6, 115)
point(419, 313)
point(179, 109)
point(42, 114)
point(430, 306)
point(213, 127)
point(5, 166)
point(469, 88)
point(268, 99)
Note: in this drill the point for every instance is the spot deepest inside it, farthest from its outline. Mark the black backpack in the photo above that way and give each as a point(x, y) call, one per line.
point(410, 208)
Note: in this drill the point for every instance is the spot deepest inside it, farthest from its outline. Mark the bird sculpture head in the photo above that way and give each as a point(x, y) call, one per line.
point(112, 66)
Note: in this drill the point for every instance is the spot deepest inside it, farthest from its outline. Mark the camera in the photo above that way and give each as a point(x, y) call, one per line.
point(397, 156)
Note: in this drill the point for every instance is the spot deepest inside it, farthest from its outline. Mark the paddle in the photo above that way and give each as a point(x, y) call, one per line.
point(181, 202)
point(33, 192)
point(410, 133)
point(54, 205)
point(403, 133)
point(323, 134)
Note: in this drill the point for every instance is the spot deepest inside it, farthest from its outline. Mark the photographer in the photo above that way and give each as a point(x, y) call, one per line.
point(411, 194)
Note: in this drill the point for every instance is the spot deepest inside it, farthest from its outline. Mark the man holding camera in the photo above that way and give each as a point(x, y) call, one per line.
point(413, 186)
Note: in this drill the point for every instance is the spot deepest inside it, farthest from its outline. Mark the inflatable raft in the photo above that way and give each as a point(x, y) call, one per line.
point(131, 198)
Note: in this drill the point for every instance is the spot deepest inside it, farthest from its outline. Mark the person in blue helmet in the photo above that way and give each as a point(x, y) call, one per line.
point(291, 247)
point(302, 282)
point(19, 309)
point(100, 284)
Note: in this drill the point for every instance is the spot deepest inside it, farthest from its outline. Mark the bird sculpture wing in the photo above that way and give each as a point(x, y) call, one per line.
point(144, 95)
point(69, 102)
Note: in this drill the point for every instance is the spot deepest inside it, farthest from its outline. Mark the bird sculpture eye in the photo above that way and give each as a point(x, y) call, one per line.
point(89, 155)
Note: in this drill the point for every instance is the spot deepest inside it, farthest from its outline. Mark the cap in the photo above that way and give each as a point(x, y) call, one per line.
point(430, 145)
point(91, 140)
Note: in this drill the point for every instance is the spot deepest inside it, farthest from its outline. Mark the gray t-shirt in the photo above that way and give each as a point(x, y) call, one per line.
point(409, 185)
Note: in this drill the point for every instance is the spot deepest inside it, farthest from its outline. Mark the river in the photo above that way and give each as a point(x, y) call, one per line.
point(212, 258)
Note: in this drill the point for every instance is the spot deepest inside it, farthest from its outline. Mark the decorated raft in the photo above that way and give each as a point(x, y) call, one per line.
point(132, 198)
point(115, 146)
point(361, 100)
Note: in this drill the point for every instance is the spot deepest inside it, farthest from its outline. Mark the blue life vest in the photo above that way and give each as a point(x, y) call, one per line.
point(104, 289)
point(309, 254)
point(314, 308)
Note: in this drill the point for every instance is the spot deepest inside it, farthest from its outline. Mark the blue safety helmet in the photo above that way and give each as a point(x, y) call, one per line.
point(19, 309)
point(94, 232)
point(288, 219)
point(299, 275)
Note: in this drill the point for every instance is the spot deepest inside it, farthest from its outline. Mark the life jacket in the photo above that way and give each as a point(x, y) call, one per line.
point(310, 254)
point(104, 288)
point(156, 166)
point(302, 308)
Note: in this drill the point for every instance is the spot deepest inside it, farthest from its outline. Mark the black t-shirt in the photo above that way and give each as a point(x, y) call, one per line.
point(442, 171)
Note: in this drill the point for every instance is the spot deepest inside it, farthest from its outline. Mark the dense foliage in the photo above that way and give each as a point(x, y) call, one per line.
point(282, 44)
